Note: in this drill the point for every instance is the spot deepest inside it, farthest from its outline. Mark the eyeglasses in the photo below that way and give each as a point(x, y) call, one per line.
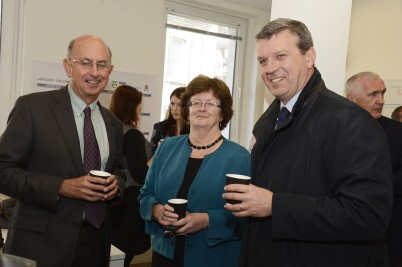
point(87, 64)
point(198, 104)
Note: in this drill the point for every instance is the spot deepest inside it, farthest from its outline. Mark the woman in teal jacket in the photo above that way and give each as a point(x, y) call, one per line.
point(194, 167)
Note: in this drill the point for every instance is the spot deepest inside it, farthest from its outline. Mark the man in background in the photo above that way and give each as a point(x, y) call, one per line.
point(61, 217)
point(367, 90)
point(321, 191)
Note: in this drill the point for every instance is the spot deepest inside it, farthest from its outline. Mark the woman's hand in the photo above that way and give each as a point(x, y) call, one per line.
point(164, 215)
point(192, 223)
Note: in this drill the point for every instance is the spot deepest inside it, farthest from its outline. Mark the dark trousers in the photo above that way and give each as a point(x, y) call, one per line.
point(394, 238)
point(159, 260)
point(92, 249)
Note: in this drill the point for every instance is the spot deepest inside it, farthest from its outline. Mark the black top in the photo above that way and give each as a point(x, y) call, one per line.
point(136, 155)
point(161, 132)
point(193, 166)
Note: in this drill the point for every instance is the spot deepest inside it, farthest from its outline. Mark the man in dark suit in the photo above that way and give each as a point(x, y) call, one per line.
point(41, 165)
point(321, 190)
point(367, 90)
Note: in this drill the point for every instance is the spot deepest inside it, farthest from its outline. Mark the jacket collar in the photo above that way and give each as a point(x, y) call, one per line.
point(268, 120)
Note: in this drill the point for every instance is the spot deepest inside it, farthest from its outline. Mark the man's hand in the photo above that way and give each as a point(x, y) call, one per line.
point(255, 201)
point(90, 188)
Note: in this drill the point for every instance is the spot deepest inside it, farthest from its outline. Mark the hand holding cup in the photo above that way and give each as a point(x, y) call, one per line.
point(236, 179)
point(102, 185)
point(180, 207)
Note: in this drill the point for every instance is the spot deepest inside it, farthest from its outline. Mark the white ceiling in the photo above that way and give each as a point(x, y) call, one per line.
point(258, 4)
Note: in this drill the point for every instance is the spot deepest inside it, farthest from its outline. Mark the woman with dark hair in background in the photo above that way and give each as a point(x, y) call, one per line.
point(174, 124)
point(128, 228)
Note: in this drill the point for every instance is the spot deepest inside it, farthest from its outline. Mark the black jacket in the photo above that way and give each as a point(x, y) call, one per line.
point(329, 168)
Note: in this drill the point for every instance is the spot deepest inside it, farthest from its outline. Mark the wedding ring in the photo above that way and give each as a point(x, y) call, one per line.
point(240, 209)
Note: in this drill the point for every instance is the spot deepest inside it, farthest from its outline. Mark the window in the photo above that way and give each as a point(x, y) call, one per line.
point(195, 45)
point(11, 40)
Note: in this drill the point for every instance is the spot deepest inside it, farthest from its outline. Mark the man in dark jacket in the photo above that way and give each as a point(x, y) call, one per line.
point(367, 90)
point(321, 192)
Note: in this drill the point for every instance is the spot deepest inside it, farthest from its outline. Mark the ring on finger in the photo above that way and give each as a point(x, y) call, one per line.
point(240, 209)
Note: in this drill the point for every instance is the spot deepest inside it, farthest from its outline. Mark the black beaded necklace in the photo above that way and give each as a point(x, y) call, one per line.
point(205, 147)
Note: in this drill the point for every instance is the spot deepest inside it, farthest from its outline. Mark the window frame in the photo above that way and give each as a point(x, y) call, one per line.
point(222, 17)
point(11, 56)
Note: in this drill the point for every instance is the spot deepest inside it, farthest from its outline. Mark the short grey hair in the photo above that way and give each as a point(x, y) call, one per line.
point(351, 87)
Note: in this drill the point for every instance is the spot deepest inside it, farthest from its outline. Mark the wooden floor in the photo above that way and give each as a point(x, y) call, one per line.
point(141, 265)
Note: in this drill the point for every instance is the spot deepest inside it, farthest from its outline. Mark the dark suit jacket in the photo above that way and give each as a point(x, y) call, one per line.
point(393, 130)
point(38, 150)
point(158, 134)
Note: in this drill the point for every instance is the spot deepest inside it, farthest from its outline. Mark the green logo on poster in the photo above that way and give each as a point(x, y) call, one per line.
point(115, 84)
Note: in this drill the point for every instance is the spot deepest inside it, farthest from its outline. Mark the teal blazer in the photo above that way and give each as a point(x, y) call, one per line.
point(219, 244)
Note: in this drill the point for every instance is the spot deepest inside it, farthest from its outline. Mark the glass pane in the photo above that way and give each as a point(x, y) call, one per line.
point(189, 54)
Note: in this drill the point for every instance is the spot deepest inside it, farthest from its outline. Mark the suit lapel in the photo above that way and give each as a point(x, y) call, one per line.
point(64, 115)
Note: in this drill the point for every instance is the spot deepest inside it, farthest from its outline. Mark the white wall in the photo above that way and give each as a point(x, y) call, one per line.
point(135, 31)
point(375, 38)
point(325, 19)
point(375, 44)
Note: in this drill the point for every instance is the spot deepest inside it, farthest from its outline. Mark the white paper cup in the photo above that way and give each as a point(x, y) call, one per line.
point(100, 174)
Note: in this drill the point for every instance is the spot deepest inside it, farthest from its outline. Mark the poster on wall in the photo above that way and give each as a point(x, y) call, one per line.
point(393, 96)
point(51, 76)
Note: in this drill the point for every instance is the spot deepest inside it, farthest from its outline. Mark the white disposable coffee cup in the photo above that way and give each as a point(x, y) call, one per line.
point(100, 174)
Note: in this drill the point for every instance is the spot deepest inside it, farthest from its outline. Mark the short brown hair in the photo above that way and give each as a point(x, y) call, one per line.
point(220, 90)
point(294, 26)
point(125, 100)
point(396, 114)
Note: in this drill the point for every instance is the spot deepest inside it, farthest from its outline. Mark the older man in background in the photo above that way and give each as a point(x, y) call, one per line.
point(367, 90)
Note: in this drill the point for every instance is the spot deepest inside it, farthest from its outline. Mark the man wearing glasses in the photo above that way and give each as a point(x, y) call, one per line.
point(61, 216)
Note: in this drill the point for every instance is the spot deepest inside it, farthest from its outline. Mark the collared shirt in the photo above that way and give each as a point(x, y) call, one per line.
point(99, 125)
point(291, 102)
